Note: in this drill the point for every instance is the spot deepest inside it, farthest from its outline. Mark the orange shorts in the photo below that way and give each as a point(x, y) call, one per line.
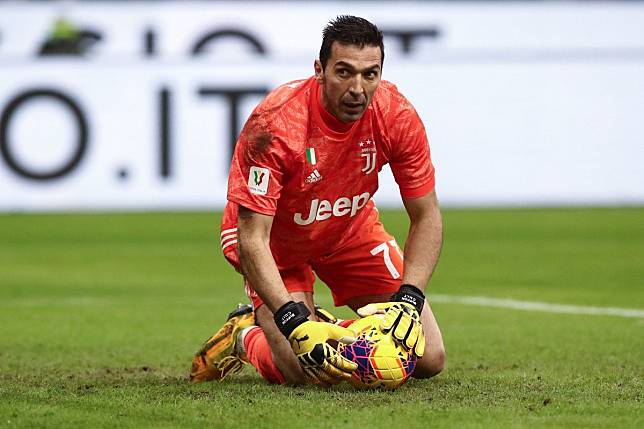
point(369, 264)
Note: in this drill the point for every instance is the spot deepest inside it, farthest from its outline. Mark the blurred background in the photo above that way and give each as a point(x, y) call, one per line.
point(135, 105)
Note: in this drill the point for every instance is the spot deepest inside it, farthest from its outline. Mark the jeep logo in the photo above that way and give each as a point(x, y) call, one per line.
point(322, 210)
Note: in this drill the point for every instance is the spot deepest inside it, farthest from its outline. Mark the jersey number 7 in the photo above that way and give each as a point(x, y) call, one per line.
point(384, 249)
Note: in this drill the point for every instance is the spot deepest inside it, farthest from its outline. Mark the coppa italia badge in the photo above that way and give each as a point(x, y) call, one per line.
point(368, 152)
point(258, 180)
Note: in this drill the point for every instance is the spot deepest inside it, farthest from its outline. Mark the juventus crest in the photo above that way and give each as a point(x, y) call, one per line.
point(368, 152)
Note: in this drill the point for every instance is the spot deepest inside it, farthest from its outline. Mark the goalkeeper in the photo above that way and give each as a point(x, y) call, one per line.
point(299, 201)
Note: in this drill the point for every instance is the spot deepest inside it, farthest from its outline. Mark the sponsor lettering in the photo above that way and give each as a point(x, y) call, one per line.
point(324, 209)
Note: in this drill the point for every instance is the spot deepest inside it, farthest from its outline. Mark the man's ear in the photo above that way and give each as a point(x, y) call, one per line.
point(319, 71)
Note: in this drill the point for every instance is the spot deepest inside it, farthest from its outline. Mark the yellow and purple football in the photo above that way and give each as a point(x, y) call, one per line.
point(382, 363)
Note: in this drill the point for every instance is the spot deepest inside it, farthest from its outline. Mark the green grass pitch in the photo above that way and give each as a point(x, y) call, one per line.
point(100, 315)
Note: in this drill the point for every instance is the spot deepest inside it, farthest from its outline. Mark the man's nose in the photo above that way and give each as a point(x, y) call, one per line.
point(356, 89)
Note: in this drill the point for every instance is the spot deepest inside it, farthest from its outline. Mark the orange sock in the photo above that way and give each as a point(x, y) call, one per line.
point(346, 323)
point(259, 355)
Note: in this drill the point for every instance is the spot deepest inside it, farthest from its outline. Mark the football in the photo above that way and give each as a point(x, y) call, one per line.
point(382, 364)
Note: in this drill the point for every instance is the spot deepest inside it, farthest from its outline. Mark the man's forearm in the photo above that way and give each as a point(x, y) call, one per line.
point(259, 268)
point(422, 249)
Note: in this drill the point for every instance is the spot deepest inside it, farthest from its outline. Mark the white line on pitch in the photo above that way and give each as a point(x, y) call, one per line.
point(536, 306)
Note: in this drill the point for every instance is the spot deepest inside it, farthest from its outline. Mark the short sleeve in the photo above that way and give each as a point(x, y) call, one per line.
point(411, 162)
point(256, 170)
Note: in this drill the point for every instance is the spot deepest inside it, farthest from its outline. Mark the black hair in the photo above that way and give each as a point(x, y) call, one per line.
point(350, 30)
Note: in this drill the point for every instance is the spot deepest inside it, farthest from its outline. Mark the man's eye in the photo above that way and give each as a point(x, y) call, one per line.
point(343, 72)
point(371, 75)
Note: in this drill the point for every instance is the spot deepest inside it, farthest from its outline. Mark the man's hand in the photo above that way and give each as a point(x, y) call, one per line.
point(402, 318)
point(321, 362)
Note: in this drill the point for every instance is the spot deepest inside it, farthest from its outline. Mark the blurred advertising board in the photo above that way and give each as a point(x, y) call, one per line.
point(138, 107)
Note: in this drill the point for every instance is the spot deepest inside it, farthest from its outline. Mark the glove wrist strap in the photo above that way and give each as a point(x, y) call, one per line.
point(411, 295)
point(290, 316)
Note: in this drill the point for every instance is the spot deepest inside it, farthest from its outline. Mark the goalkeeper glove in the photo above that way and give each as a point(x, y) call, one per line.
point(402, 317)
point(321, 362)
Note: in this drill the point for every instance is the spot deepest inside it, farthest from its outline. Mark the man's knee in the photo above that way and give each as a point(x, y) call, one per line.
point(431, 364)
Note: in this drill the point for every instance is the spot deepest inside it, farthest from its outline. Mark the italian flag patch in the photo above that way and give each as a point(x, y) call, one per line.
point(310, 156)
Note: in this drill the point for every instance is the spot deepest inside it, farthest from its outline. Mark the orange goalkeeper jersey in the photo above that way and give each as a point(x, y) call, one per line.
point(315, 174)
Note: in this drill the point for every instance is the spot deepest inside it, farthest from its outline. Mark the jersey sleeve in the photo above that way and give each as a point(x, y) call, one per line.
point(257, 167)
point(411, 162)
